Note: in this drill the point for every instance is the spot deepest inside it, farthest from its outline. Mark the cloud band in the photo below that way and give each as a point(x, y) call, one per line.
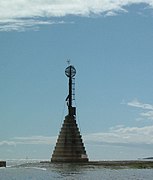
point(15, 14)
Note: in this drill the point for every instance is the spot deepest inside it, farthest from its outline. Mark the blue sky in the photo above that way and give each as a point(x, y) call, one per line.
point(109, 43)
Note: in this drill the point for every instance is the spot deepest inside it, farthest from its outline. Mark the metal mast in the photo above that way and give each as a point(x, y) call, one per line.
point(70, 72)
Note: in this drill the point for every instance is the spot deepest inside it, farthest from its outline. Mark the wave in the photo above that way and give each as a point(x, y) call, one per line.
point(18, 162)
point(37, 168)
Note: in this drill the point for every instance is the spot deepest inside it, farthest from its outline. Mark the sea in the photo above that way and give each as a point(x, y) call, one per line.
point(34, 170)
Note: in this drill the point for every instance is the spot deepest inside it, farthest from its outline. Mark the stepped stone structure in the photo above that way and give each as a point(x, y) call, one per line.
point(69, 146)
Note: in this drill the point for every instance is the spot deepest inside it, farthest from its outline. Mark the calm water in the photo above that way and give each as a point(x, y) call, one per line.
point(21, 170)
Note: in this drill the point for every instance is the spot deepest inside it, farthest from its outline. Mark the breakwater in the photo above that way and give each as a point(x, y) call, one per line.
point(138, 164)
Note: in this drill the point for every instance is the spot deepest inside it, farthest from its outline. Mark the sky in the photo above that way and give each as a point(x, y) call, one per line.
point(109, 42)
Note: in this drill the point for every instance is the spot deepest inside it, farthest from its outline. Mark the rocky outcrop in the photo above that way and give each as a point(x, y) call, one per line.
point(2, 163)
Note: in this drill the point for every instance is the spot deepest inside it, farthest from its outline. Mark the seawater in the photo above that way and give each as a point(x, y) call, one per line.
point(33, 170)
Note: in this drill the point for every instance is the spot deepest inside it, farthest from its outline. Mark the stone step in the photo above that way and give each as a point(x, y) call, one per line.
point(69, 145)
point(69, 148)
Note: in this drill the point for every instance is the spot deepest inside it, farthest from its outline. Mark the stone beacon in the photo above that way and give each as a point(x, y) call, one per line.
point(69, 146)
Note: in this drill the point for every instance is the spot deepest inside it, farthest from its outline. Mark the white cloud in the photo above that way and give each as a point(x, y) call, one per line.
point(33, 140)
point(7, 143)
point(24, 24)
point(118, 136)
point(136, 103)
point(22, 11)
point(147, 108)
point(148, 115)
point(123, 136)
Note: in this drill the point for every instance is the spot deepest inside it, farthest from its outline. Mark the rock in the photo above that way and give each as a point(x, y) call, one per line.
point(2, 163)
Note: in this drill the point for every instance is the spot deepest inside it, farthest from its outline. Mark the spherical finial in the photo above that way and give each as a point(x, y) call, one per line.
point(70, 71)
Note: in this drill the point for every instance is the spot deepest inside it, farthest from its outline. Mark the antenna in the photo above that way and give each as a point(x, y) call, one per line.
point(68, 62)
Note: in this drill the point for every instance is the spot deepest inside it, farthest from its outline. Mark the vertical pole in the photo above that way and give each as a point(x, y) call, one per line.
point(70, 92)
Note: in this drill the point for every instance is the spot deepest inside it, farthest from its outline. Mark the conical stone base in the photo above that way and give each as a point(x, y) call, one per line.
point(69, 146)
